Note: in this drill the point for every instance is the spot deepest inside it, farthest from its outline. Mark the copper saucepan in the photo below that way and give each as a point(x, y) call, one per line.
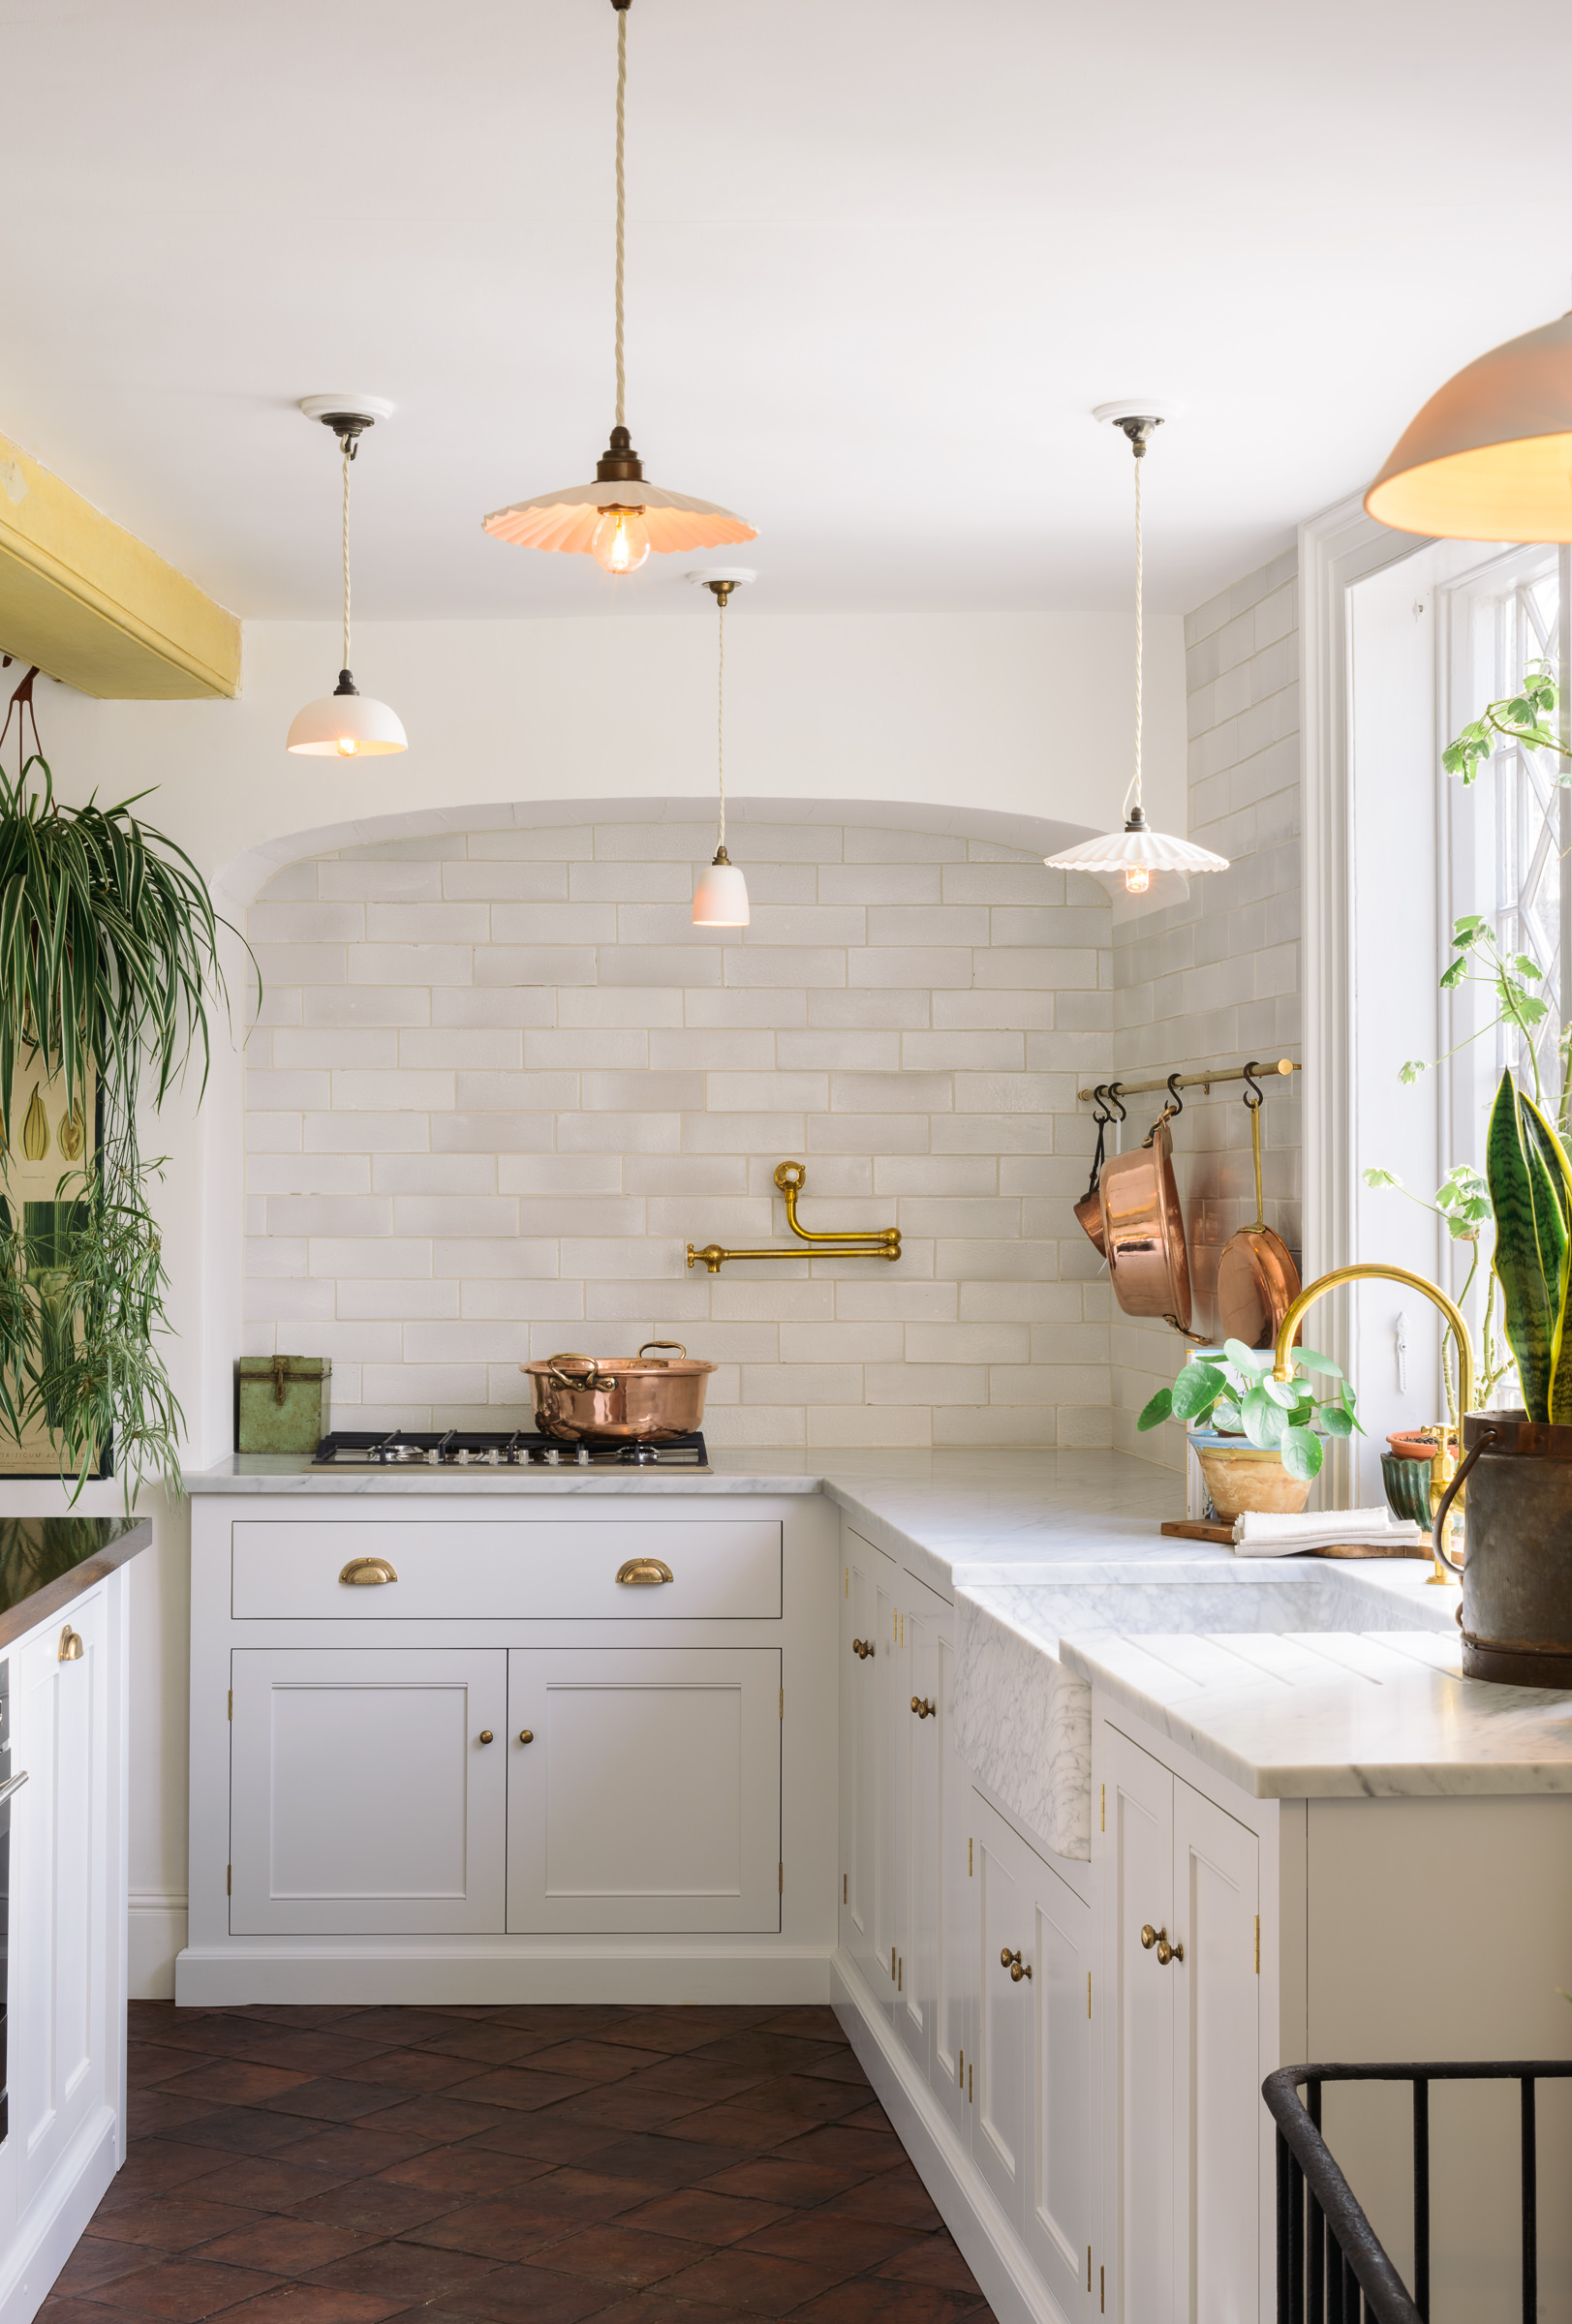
point(1142, 1226)
point(627, 1399)
point(1258, 1280)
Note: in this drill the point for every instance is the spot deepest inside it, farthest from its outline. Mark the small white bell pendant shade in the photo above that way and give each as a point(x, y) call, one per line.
point(720, 898)
point(347, 724)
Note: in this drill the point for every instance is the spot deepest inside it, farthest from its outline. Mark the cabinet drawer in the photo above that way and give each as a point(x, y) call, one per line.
point(526, 1570)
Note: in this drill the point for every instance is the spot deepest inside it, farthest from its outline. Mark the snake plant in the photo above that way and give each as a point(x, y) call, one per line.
point(1530, 1191)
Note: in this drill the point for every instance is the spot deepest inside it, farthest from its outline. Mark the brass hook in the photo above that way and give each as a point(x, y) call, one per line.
point(1251, 1085)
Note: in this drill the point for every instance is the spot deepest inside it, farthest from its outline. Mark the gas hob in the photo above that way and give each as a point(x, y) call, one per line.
point(486, 1448)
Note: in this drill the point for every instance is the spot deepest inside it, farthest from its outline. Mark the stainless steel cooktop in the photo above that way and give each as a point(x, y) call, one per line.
point(486, 1448)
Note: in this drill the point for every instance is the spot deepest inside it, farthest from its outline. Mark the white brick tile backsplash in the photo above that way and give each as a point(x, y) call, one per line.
point(503, 1083)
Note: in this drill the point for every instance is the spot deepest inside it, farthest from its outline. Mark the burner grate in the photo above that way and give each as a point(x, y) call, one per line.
point(496, 1449)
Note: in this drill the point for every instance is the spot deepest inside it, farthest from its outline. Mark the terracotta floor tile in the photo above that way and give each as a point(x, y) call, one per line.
point(403, 2027)
point(834, 2144)
point(769, 2053)
point(866, 2300)
point(733, 2126)
point(545, 2137)
point(631, 2105)
point(162, 2163)
point(869, 2118)
point(665, 2032)
point(75, 2309)
point(560, 2021)
point(285, 2246)
point(489, 2043)
point(811, 2099)
point(588, 2061)
point(667, 2161)
point(410, 2070)
point(659, 2307)
point(466, 2171)
point(841, 2066)
point(702, 2216)
point(171, 2222)
point(150, 2111)
point(520, 2086)
point(439, 2120)
point(935, 2260)
point(359, 2151)
point(307, 2052)
point(622, 2255)
point(97, 2261)
point(312, 2304)
point(755, 2282)
point(179, 2291)
point(264, 2181)
point(894, 2198)
point(825, 2239)
point(413, 2273)
point(812, 2022)
point(149, 2062)
point(706, 2080)
point(328, 2100)
point(234, 2081)
point(523, 2295)
point(374, 2207)
point(791, 2181)
point(514, 2225)
point(244, 2130)
point(306, 2015)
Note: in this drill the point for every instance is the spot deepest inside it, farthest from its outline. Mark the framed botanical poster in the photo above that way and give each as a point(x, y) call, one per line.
point(51, 1144)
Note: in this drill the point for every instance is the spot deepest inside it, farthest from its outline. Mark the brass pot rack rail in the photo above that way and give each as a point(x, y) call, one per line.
point(863, 1242)
point(1254, 1071)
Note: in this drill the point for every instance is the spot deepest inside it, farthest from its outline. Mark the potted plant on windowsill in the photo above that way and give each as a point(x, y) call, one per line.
point(1263, 1446)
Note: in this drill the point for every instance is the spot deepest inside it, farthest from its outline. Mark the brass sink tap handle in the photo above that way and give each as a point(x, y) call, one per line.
point(1282, 1364)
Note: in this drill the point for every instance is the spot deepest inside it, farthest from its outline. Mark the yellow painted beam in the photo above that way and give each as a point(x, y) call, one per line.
point(94, 606)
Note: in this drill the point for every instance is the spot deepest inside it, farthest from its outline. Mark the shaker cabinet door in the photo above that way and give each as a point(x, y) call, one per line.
point(1137, 1859)
point(1059, 2230)
point(1000, 2115)
point(1218, 2111)
point(864, 1653)
point(647, 1798)
point(365, 1797)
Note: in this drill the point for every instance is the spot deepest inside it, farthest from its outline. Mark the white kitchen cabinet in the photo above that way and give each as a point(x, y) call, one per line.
point(1000, 2111)
point(939, 1981)
point(1060, 2208)
point(368, 1790)
point(865, 1647)
point(892, 1790)
point(644, 1790)
point(1182, 2044)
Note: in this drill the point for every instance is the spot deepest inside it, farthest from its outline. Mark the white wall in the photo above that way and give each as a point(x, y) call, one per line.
point(965, 715)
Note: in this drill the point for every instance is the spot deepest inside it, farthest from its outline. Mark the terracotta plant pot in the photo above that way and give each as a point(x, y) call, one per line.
point(1244, 1477)
point(1411, 1445)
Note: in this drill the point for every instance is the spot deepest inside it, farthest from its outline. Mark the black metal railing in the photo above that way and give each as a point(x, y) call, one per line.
point(1332, 2268)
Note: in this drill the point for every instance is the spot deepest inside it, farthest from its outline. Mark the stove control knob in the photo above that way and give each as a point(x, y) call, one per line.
point(551, 1457)
point(581, 1457)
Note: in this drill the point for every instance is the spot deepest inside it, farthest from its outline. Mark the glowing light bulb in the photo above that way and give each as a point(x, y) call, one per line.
point(1137, 878)
point(621, 540)
point(346, 745)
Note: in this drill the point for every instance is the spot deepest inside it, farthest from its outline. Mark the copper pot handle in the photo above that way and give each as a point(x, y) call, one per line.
point(665, 1343)
point(592, 1377)
point(1485, 1438)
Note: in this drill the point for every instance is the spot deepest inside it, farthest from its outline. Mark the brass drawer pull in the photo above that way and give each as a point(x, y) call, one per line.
point(368, 1570)
point(71, 1645)
point(1013, 1963)
point(923, 1708)
point(645, 1569)
point(862, 1648)
point(526, 1735)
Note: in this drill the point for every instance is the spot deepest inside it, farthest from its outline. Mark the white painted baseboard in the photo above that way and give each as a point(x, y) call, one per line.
point(968, 2205)
point(57, 2221)
point(156, 1934)
point(427, 1973)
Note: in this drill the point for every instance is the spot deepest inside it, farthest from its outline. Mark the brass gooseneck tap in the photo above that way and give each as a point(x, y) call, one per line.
point(1283, 1365)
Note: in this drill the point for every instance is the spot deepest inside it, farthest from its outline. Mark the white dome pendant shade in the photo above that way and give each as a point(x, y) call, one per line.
point(620, 517)
point(1490, 456)
point(346, 723)
point(1136, 851)
point(721, 895)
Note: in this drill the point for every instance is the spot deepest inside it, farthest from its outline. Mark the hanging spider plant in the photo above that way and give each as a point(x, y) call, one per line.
point(108, 948)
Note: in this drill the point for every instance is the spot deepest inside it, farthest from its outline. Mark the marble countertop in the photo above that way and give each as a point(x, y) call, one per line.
point(1371, 1715)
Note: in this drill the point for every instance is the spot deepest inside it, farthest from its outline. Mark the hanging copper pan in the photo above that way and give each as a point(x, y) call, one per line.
point(1088, 1210)
point(1142, 1226)
point(1258, 1280)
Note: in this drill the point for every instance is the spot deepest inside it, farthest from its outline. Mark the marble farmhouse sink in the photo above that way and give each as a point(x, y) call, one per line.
point(1023, 1722)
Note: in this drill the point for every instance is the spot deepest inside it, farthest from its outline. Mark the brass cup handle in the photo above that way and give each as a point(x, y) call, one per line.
point(1015, 1965)
point(526, 1735)
point(1166, 1951)
point(923, 1708)
point(645, 1569)
point(368, 1571)
point(71, 1645)
point(862, 1648)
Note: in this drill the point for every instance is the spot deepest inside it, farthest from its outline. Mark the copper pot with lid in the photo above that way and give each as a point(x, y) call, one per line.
point(624, 1400)
point(1142, 1226)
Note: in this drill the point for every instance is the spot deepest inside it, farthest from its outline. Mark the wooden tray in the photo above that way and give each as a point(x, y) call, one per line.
point(1193, 1529)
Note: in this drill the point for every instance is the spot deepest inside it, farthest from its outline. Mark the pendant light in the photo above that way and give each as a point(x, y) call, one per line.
point(1490, 456)
point(620, 517)
point(346, 723)
point(720, 898)
point(1136, 851)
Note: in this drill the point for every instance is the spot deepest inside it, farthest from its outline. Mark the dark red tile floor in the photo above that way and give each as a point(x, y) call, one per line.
point(509, 2166)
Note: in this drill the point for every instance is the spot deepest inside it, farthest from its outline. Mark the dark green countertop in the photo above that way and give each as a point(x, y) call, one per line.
point(47, 1562)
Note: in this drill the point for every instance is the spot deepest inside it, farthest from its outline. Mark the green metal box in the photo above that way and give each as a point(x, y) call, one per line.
point(282, 1402)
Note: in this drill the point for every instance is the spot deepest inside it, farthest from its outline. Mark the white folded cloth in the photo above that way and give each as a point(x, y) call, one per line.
point(1257, 1533)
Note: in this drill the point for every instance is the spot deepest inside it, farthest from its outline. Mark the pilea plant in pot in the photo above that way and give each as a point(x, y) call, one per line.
point(1278, 1425)
point(109, 947)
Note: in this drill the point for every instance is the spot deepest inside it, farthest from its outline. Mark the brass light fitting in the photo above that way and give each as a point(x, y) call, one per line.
point(867, 1242)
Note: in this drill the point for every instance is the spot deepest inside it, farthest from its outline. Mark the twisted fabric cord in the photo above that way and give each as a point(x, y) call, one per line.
point(721, 721)
point(346, 662)
point(1134, 791)
point(622, 201)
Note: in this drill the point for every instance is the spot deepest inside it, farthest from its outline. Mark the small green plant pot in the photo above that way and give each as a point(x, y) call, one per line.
point(1407, 1485)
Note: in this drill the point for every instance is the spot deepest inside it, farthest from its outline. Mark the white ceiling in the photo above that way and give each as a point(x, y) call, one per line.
point(883, 257)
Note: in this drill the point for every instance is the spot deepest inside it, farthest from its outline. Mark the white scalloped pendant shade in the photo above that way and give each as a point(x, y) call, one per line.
point(720, 898)
point(1490, 456)
point(322, 728)
point(567, 519)
point(1120, 850)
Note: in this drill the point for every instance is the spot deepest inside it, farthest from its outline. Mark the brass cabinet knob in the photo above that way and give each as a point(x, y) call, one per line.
point(862, 1648)
point(1166, 1952)
point(486, 1734)
point(1149, 1938)
point(368, 1571)
point(71, 1645)
point(645, 1569)
point(526, 1735)
point(923, 1708)
point(1014, 1964)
